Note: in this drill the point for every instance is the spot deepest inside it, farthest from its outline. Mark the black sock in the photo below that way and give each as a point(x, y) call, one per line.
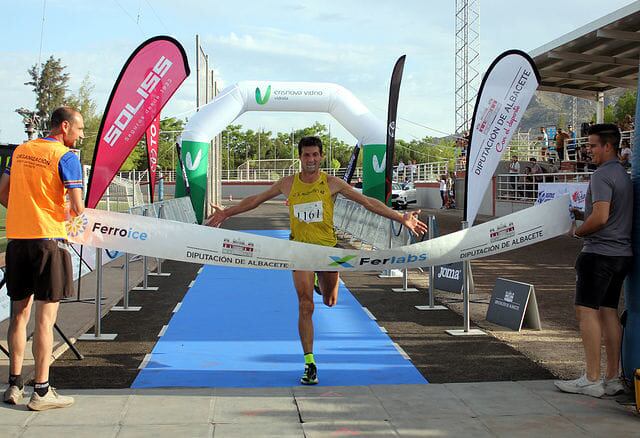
point(16, 380)
point(41, 388)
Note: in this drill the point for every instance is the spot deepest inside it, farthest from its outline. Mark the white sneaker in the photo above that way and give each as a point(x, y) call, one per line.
point(613, 386)
point(50, 400)
point(581, 385)
point(13, 395)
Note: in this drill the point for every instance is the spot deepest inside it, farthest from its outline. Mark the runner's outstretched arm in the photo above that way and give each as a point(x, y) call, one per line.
point(249, 203)
point(409, 220)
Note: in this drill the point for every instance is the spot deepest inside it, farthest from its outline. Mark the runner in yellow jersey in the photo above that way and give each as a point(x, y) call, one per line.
point(311, 194)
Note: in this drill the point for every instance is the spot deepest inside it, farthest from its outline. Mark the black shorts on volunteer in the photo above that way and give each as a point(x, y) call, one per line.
point(39, 267)
point(599, 279)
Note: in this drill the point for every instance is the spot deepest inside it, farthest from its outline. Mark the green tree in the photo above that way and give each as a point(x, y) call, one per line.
point(625, 106)
point(49, 83)
point(83, 102)
point(609, 114)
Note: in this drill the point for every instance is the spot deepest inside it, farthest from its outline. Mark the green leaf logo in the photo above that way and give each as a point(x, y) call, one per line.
point(342, 261)
point(262, 100)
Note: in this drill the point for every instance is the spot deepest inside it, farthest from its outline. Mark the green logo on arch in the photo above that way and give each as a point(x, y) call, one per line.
point(262, 100)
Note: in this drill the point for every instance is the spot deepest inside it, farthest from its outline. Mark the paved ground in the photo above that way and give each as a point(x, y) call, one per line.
point(504, 409)
point(484, 408)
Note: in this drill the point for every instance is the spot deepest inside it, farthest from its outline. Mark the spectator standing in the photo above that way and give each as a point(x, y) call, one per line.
point(625, 154)
point(514, 171)
point(543, 138)
point(38, 258)
point(443, 191)
point(583, 159)
point(536, 174)
point(451, 190)
point(401, 170)
point(603, 263)
point(413, 168)
point(560, 139)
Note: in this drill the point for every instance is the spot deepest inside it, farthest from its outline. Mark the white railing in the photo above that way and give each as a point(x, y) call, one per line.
point(524, 187)
point(524, 147)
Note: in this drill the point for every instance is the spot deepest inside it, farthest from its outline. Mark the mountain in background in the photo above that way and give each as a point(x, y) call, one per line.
point(555, 109)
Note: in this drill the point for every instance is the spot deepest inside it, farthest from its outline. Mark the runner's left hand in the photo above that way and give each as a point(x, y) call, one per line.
point(411, 221)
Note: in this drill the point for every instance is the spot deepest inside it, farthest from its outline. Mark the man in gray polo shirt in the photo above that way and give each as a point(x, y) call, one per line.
point(603, 263)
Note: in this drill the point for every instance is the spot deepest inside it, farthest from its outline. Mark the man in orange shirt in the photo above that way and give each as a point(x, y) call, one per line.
point(33, 189)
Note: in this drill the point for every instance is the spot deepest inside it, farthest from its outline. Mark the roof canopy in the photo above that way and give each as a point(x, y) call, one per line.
point(597, 57)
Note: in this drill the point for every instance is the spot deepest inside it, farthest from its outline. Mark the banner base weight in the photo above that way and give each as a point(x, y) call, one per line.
point(461, 332)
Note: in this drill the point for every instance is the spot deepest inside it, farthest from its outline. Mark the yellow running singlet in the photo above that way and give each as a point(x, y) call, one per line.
point(311, 211)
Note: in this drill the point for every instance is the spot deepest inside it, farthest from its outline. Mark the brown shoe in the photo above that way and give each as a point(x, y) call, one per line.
point(51, 400)
point(13, 395)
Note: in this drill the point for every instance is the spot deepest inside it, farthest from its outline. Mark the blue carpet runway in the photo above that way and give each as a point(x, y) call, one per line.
point(238, 327)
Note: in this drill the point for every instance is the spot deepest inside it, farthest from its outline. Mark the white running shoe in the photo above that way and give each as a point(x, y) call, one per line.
point(581, 385)
point(51, 400)
point(13, 395)
point(613, 386)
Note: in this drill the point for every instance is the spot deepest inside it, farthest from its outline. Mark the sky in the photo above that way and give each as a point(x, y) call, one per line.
point(351, 43)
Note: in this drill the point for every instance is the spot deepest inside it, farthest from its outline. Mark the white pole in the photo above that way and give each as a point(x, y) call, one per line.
point(466, 271)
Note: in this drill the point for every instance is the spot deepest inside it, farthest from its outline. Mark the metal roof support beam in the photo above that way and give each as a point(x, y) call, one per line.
point(618, 35)
point(614, 82)
point(600, 108)
point(582, 57)
point(583, 94)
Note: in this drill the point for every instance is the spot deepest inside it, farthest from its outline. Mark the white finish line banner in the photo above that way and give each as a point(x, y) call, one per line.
point(214, 246)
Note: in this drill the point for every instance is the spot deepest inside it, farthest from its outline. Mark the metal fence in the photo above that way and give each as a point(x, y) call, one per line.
point(425, 172)
point(523, 146)
point(353, 221)
point(177, 209)
point(524, 187)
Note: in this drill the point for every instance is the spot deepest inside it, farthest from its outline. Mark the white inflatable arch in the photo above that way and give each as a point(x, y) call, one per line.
point(245, 96)
point(320, 97)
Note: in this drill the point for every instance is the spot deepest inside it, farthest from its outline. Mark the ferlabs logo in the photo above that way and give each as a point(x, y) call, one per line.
point(262, 100)
point(342, 261)
point(77, 225)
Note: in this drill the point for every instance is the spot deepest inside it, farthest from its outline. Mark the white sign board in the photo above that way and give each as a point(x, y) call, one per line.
point(577, 192)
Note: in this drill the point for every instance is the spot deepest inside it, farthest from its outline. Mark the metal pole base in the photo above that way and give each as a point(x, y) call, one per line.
point(461, 332)
point(161, 274)
point(391, 273)
point(148, 288)
point(126, 309)
point(82, 300)
point(431, 308)
point(102, 337)
point(401, 289)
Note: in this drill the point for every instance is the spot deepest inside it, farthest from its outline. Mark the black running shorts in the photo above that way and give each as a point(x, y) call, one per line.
point(599, 279)
point(39, 267)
